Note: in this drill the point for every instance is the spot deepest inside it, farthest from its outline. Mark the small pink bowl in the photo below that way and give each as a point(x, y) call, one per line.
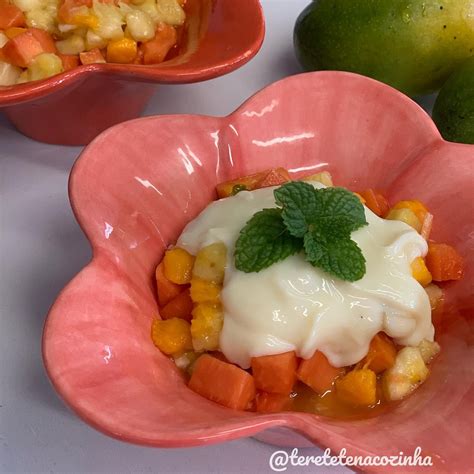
point(75, 106)
point(136, 186)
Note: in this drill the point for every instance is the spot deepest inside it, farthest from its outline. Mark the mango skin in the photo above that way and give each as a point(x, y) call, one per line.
point(412, 45)
point(453, 111)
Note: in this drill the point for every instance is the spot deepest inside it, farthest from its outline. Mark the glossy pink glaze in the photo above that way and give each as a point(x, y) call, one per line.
point(136, 186)
point(75, 106)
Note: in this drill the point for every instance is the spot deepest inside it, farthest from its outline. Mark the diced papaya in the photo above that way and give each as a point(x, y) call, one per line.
point(178, 265)
point(376, 202)
point(263, 179)
point(167, 290)
point(444, 262)
point(358, 387)
point(274, 178)
point(318, 373)
point(22, 49)
point(223, 383)
point(10, 15)
point(155, 50)
point(94, 56)
point(271, 402)
point(275, 373)
point(382, 353)
point(45, 40)
point(172, 336)
point(203, 291)
point(420, 272)
point(179, 307)
point(70, 61)
point(414, 205)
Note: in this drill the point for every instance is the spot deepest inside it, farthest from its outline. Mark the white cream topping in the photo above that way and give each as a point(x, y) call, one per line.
point(294, 306)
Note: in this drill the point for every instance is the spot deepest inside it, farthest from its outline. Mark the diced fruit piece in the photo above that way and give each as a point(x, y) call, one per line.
point(110, 19)
point(324, 177)
point(358, 387)
point(318, 373)
point(376, 202)
point(426, 226)
point(172, 336)
point(70, 61)
point(210, 263)
point(140, 26)
point(435, 294)
point(167, 290)
point(156, 49)
point(405, 215)
point(3, 41)
point(414, 205)
point(223, 383)
point(444, 262)
point(94, 41)
point(206, 326)
point(382, 353)
point(420, 273)
point(73, 44)
point(44, 65)
point(180, 306)
point(274, 178)
point(121, 51)
point(9, 74)
point(428, 350)
point(178, 265)
point(14, 31)
point(10, 15)
point(406, 374)
point(275, 373)
point(69, 7)
point(45, 40)
point(83, 17)
point(203, 291)
point(22, 49)
point(271, 402)
point(94, 56)
point(184, 361)
point(253, 181)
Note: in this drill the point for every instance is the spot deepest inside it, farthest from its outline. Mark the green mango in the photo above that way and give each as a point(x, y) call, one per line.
point(453, 111)
point(412, 45)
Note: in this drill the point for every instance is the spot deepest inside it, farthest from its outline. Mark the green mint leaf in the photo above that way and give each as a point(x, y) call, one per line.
point(341, 213)
point(300, 205)
point(342, 258)
point(263, 241)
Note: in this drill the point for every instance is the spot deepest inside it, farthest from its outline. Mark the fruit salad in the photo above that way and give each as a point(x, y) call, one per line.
point(41, 38)
point(299, 295)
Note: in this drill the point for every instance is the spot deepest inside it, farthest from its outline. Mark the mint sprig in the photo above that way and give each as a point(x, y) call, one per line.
point(316, 221)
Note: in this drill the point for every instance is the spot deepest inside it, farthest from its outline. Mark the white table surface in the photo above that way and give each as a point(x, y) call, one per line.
point(42, 248)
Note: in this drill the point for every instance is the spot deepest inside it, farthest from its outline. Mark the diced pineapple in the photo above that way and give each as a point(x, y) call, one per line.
point(405, 215)
point(44, 65)
point(178, 265)
point(324, 177)
point(74, 44)
point(170, 12)
point(28, 5)
point(210, 263)
point(84, 16)
point(429, 350)
point(44, 19)
point(420, 273)
point(184, 361)
point(9, 74)
point(405, 375)
point(94, 41)
point(203, 291)
point(172, 336)
point(23, 77)
point(435, 294)
point(110, 20)
point(140, 25)
point(206, 326)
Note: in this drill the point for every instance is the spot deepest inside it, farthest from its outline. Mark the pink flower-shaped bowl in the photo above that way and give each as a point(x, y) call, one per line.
point(73, 107)
point(136, 186)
